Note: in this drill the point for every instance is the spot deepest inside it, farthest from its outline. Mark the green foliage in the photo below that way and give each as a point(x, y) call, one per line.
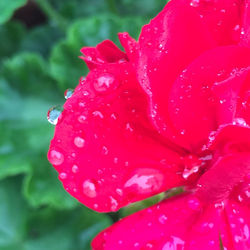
point(36, 66)
point(8, 7)
point(24, 228)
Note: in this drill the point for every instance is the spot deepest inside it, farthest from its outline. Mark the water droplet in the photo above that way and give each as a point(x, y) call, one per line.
point(174, 243)
point(98, 114)
point(75, 169)
point(68, 93)
point(136, 244)
point(240, 121)
point(163, 219)
point(194, 204)
point(192, 165)
point(145, 181)
point(82, 118)
point(114, 204)
point(54, 114)
point(195, 3)
point(62, 176)
point(89, 188)
point(79, 142)
point(119, 191)
point(105, 150)
point(105, 83)
point(56, 158)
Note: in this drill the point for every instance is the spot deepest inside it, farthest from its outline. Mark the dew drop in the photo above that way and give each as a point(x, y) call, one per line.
point(119, 191)
point(114, 204)
point(145, 181)
point(62, 176)
point(195, 3)
point(89, 188)
point(54, 114)
point(105, 83)
point(82, 118)
point(105, 150)
point(163, 219)
point(75, 169)
point(68, 93)
point(79, 142)
point(56, 158)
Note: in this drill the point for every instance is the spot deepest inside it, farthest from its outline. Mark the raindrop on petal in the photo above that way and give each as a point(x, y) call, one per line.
point(54, 114)
point(55, 157)
point(79, 142)
point(75, 169)
point(105, 82)
point(89, 188)
point(68, 93)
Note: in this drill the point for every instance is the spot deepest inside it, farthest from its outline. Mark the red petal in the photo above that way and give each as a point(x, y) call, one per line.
point(171, 41)
point(109, 155)
point(105, 52)
point(245, 32)
point(110, 52)
point(178, 223)
point(224, 176)
point(238, 217)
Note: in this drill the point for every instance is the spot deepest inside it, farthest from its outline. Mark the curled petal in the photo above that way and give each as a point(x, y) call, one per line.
point(104, 52)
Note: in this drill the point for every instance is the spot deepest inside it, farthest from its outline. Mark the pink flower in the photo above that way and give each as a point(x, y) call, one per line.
point(174, 110)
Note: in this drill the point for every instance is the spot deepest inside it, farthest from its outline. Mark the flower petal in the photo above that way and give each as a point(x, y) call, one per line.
point(172, 41)
point(182, 222)
point(104, 52)
point(105, 149)
point(223, 177)
point(238, 217)
point(193, 106)
point(245, 31)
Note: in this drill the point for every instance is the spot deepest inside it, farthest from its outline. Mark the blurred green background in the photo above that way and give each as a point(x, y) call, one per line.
point(39, 48)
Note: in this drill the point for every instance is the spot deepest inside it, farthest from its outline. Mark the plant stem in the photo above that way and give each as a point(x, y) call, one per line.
point(52, 14)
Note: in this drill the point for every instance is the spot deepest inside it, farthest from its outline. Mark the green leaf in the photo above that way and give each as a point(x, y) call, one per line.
point(66, 67)
point(145, 8)
point(42, 187)
point(11, 34)
point(41, 39)
point(8, 7)
point(25, 81)
point(74, 9)
point(23, 228)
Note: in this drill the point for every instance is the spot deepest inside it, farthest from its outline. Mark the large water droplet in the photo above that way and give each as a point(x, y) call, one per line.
point(54, 114)
point(105, 83)
point(68, 93)
point(145, 181)
point(55, 157)
point(89, 188)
